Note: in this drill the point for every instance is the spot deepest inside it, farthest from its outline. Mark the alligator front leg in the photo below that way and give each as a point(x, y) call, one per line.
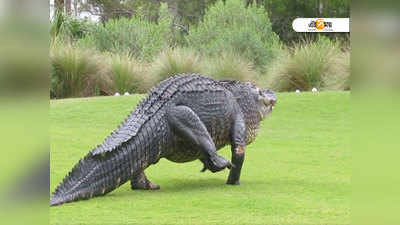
point(187, 124)
point(140, 181)
point(237, 148)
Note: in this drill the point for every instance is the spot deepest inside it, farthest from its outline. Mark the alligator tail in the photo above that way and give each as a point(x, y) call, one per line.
point(97, 175)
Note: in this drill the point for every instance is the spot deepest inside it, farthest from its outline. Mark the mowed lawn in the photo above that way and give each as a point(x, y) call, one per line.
point(296, 172)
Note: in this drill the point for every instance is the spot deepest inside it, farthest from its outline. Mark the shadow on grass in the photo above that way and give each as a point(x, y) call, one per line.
point(186, 186)
point(176, 185)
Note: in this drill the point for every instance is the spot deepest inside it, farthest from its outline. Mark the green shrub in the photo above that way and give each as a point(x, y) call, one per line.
point(69, 29)
point(230, 66)
point(174, 61)
point(73, 72)
point(319, 64)
point(141, 38)
point(232, 27)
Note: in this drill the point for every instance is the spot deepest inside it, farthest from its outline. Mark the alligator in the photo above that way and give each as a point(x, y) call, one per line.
point(185, 118)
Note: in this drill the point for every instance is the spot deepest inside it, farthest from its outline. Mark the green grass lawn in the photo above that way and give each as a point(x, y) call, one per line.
point(296, 172)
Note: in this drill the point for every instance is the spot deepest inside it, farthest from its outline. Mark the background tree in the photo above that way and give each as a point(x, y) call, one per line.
point(59, 5)
point(187, 13)
point(282, 13)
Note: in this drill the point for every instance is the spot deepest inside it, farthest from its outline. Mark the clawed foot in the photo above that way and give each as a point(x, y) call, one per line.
point(147, 186)
point(143, 184)
point(216, 163)
point(152, 186)
point(233, 182)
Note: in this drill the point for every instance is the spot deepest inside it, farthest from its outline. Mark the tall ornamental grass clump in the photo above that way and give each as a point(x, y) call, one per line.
point(79, 72)
point(138, 36)
point(124, 74)
point(319, 64)
point(232, 27)
point(341, 79)
point(229, 66)
point(73, 72)
point(174, 61)
point(123, 71)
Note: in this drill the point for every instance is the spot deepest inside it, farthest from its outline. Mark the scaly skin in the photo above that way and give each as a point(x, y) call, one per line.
point(185, 118)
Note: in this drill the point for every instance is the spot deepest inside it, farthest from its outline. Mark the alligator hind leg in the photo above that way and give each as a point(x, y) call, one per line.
point(140, 181)
point(186, 123)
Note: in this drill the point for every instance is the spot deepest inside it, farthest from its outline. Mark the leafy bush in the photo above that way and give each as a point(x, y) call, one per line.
point(141, 38)
point(230, 66)
point(319, 64)
point(69, 29)
point(232, 27)
point(73, 72)
point(174, 61)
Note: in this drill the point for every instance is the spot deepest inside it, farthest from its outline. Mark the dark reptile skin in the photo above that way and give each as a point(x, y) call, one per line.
point(145, 136)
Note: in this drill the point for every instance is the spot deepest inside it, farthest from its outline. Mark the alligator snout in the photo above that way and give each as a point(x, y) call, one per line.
point(269, 97)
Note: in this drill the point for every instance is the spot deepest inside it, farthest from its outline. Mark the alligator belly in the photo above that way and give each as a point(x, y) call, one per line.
point(182, 151)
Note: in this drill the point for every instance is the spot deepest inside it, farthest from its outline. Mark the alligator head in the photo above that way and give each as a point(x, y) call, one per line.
point(266, 102)
point(264, 98)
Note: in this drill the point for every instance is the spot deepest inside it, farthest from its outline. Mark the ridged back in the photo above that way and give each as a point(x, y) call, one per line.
point(73, 179)
point(145, 110)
